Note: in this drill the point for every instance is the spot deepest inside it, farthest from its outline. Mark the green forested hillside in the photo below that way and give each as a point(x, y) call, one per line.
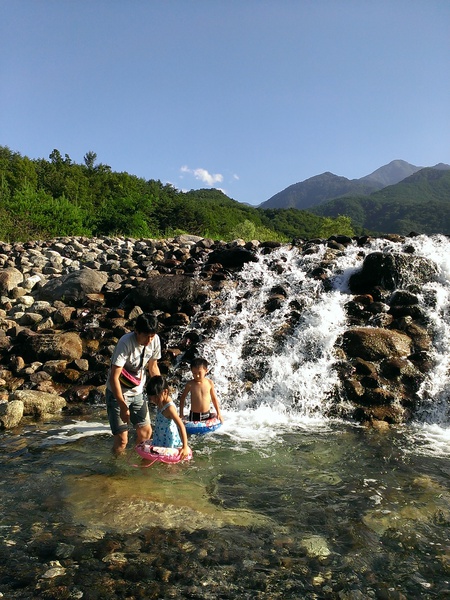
point(419, 203)
point(42, 199)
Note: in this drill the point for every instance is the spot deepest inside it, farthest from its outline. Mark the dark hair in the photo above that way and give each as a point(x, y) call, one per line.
point(199, 362)
point(146, 323)
point(157, 385)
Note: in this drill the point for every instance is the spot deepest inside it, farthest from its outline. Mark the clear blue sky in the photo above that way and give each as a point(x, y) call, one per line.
point(249, 96)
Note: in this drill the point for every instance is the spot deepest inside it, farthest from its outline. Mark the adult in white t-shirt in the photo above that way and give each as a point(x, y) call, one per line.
point(135, 353)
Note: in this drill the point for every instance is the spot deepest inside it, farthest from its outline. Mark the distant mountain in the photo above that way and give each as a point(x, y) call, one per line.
point(322, 188)
point(318, 189)
point(392, 173)
point(420, 202)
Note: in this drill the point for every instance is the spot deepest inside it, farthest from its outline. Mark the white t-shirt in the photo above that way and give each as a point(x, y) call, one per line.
point(128, 354)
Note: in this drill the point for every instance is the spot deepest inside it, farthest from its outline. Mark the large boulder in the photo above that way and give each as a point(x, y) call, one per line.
point(38, 404)
point(232, 258)
point(375, 343)
point(50, 346)
point(74, 287)
point(391, 271)
point(169, 293)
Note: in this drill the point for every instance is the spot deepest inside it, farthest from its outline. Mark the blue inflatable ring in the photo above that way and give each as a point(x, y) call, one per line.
point(201, 427)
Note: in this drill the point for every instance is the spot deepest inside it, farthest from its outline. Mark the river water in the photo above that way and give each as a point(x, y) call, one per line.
point(283, 501)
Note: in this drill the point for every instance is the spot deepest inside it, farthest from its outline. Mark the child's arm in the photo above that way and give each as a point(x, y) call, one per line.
point(171, 413)
point(215, 402)
point(183, 398)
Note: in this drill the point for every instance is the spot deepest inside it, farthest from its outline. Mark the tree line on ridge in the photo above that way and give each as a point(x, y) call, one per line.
point(43, 199)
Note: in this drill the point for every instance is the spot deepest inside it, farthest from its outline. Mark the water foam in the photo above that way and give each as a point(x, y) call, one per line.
point(295, 371)
point(75, 431)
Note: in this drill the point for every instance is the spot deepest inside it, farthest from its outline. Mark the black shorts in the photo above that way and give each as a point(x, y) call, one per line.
point(195, 416)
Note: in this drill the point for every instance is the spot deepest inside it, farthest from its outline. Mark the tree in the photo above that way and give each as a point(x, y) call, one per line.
point(245, 231)
point(89, 159)
point(55, 157)
point(339, 226)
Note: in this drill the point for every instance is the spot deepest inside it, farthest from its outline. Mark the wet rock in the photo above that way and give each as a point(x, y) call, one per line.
point(381, 320)
point(354, 389)
point(11, 414)
point(421, 338)
point(274, 302)
point(37, 403)
point(378, 307)
point(403, 298)
point(376, 414)
point(372, 343)
point(391, 271)
point(381, 426)
point(364, 367)
point(393, 368)
point(379, 396)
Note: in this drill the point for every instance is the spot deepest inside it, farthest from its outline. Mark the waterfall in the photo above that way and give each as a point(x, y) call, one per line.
point(288, 350)
point(434, 413)
point(281, 359)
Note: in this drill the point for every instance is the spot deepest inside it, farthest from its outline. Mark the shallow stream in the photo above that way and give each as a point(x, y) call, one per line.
point(281, 502)
point(313, 510)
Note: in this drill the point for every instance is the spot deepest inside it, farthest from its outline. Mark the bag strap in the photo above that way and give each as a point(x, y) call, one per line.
point(142, 358)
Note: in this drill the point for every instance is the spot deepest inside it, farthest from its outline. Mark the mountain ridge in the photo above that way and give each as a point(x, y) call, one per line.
point(420, 202)
point(327, 186)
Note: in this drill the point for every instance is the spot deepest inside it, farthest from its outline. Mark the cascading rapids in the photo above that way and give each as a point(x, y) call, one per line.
point(435, 390)
point(280, 358)
point(283, 358)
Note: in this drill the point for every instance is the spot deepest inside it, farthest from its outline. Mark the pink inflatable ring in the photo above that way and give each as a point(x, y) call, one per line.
point(159, 453)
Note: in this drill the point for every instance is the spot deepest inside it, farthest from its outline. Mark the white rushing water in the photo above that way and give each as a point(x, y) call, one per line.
point(431, 430)
point(294, 362)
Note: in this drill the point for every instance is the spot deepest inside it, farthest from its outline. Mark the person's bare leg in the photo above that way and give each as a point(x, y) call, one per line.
point(143, 433)
point(120, 442)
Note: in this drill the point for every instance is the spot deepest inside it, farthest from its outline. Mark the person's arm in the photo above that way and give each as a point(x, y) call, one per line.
point(116, 389)
point(215, 402)
point(183, 399)
point(171, 413)
point(153, 368)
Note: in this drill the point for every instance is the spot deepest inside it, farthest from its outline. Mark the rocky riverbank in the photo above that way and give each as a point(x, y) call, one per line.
point(64, 303)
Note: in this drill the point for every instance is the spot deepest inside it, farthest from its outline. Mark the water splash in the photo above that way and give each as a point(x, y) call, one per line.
point(283, 358)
